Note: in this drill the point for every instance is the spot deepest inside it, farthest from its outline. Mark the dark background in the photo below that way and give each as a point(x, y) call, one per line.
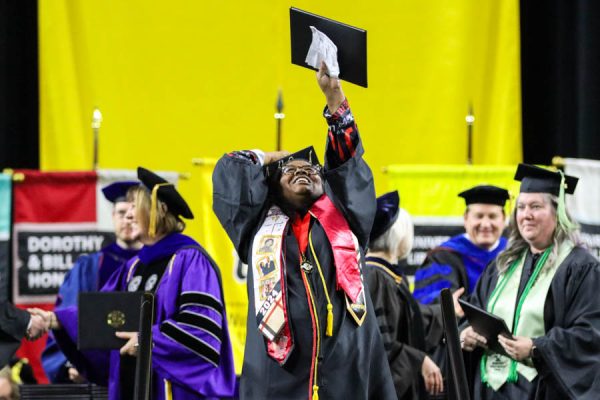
point(560, 64)
point(19, 106)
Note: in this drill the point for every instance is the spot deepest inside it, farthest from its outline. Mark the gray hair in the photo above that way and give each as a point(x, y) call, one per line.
point(398, 239)
point(517, 244)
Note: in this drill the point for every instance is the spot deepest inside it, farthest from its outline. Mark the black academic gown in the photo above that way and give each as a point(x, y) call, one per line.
point(352, 363)
point(408, 329)
point(13, 325)
point(568, 355)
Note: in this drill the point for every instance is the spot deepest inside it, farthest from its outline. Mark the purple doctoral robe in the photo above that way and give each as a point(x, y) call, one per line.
point(191, 353)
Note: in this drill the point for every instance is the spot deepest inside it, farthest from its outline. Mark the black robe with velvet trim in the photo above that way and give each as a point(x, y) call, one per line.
point(568, 355)
point(352, 363)
point(409, 330)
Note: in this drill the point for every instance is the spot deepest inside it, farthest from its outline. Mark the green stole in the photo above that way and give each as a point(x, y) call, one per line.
point(496, 369)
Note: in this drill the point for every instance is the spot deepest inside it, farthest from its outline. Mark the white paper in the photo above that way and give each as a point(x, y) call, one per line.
point(323, 49)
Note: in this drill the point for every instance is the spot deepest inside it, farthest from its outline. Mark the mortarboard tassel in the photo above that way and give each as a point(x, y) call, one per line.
point(561, 210)
point(315, 395)
point(329, 331)
point(154, 209)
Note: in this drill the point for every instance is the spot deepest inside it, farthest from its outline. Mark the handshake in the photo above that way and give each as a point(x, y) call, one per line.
point(40, 323)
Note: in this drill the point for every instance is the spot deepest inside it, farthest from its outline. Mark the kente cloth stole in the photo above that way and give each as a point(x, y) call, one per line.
point(268, 260)
point(499, 369)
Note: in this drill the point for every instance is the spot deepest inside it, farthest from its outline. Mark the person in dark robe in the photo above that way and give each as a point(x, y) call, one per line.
point(459, 261)
point(545, 287)
point(191, 350)
point(311, 328)
point(410, 330)
point(16, 324)
point(90, 272)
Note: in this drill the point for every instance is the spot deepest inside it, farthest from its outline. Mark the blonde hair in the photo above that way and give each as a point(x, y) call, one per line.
point(166, 222)
point(517, 244)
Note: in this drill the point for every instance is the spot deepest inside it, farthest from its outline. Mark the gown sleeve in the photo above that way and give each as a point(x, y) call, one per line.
point(82, 277)
point(405, 361)
point(433, 325)
point(13, 321)
point(93, 364)
point(346, 173)
point(188, 346)
point(240, 192)
point(441, 269)
point(570, 350)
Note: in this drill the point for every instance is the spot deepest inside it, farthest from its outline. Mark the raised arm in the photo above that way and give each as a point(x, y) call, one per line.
point(348, 178)
point(441, 269)
point(331, 87)
point(240, 193)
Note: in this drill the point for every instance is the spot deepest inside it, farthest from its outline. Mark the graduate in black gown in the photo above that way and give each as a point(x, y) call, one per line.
point(545, 287)
point(311, 329)
point(410, 330)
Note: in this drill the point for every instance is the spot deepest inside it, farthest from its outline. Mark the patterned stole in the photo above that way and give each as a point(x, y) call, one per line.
point(269, 284)
point(268, 261)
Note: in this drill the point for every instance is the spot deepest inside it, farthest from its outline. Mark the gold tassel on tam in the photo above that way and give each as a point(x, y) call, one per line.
point(329, 331)
point(154, 209)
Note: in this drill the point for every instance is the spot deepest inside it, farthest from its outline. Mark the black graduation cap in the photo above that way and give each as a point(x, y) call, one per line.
point(165, 192)
point(541, 180)
point(306, 154)
point(485, 194)
point(387, 212)
point(117, 191)
point(351, 43)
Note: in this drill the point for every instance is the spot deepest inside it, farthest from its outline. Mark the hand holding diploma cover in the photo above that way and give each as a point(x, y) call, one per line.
point(487, 325)
point(342, 47)
point(323, 49)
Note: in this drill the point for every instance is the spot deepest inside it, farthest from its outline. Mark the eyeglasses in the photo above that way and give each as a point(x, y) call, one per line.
point(308, 169)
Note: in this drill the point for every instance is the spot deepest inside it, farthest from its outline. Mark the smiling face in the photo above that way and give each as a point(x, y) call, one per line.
point(484, 224)
point(301, 183)
point(536, 219)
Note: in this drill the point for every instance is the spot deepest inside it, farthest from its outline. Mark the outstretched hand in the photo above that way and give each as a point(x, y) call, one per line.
point(331, 87)
point(37, 327)
point(48, 317)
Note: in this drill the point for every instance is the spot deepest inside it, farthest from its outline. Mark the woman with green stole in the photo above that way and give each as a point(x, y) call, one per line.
point(545, 287)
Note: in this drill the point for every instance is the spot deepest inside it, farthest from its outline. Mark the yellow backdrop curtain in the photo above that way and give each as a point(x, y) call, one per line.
point(197, 79)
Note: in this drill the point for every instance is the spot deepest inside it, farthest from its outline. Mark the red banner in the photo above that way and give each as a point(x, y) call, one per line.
point(54, 221)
